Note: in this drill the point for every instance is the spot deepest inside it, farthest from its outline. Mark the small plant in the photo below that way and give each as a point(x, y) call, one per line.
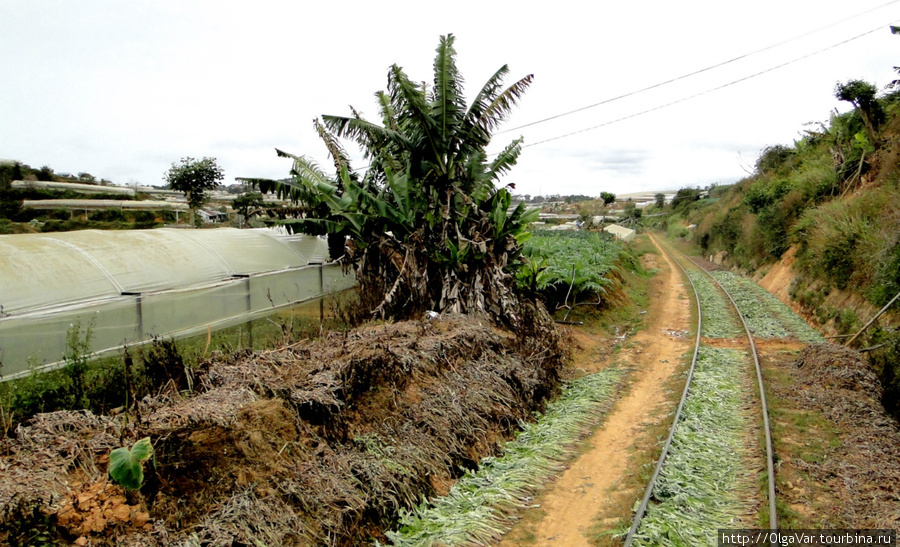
point(76, 356)
point(126, 465)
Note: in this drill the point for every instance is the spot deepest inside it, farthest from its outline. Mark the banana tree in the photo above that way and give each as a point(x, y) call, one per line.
point(428, 227)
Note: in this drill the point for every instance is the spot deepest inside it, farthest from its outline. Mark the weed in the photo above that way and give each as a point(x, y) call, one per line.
point(27, 525)
point(162, 364)
point(76, 356)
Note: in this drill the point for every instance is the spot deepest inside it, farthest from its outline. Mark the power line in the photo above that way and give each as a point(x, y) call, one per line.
point(694, 96)
point(696, 72)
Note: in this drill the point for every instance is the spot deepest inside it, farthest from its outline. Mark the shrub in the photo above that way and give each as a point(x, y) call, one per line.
point(886, 282)
point(108, 215)
point(724, 232)
point(59, 214)
point(774, 158)
point(887, 361)
point(143, 216)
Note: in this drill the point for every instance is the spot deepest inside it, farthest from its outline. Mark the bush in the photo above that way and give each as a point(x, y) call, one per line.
point(775, 158)
point(107, 215)
point(724, 232)
point(64, 225)
point(59, 214)
point(143, 216)
point(684, 199)
point(764, 193)
point(887, 362)
point(886, 282)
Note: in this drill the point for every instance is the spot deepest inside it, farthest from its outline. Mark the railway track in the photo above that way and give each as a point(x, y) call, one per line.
point(681, 259)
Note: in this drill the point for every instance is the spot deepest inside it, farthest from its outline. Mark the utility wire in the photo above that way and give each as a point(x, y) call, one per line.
point(696, 72)
point(694, 96)
point(682, 77)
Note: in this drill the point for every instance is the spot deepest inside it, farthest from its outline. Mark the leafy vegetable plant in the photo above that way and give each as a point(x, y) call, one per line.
point(126, 465)
point(583, 260)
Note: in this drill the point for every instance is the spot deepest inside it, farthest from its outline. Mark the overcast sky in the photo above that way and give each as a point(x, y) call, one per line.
point(123, 89)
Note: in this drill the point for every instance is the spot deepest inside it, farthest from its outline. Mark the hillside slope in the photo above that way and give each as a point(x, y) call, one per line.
point(818, 224)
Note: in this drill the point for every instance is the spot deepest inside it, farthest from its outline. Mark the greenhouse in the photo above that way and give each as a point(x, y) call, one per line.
point(129, 286)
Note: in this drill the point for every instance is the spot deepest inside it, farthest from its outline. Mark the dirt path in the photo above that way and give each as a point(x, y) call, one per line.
point(595, 484)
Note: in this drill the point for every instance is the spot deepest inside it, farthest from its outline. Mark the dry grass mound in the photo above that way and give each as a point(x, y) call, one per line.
point(317, 444)
point(863, 473)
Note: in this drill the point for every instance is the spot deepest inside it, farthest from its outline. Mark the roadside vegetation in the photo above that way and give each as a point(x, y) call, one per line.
point(331, 434)
point(107, 385)
point(485, 502)
point(828, 206)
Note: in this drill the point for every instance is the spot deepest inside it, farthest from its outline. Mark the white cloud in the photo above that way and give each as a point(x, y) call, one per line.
point(122, 90)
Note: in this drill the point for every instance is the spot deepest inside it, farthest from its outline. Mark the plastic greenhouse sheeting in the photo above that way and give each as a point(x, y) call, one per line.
point(128, 286)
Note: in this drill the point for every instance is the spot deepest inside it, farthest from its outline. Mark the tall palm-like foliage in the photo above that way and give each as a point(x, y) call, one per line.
point(428, 229)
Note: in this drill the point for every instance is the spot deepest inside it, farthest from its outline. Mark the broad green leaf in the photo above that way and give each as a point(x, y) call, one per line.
point(125, 465)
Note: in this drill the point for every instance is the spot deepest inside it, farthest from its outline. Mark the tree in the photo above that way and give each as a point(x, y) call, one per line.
point(428, 228)
point(8, 173)
point(45, 173)
point(244, 203)
point(660, 200)
point(863, 96)
point(684, 198)
point(774, 157)
point(195, 178)
point(607, 197)
point(631, 212)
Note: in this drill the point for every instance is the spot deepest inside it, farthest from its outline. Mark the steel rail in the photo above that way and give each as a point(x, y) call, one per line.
point(642, 508)
point(639, 515)
point(770, 464)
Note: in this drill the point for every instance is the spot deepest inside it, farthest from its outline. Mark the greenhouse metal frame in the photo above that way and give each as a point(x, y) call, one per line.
point(127, 287)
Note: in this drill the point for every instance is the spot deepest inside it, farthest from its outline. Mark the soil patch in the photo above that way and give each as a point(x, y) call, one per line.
point(318, 444)
point(595, 484)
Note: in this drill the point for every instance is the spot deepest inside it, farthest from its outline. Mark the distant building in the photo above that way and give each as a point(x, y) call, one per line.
point(211, 216)
point(621, 233)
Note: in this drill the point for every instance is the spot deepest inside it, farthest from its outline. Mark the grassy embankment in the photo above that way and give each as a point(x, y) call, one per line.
point(828, 207)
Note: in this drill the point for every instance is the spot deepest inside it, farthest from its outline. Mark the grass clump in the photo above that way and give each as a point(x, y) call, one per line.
point(766, 316)
point(482, 505)
point(699, 487)
point(718, 321)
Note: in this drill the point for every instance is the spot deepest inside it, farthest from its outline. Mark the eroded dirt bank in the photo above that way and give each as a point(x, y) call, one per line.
point(319, 444)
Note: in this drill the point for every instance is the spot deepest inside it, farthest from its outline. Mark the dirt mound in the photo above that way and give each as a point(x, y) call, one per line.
point(832, 366)
point(321, 443)
point(863, 472)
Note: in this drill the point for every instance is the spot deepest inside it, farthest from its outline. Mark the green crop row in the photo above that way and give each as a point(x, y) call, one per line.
point(559, 259)
point(482, 505)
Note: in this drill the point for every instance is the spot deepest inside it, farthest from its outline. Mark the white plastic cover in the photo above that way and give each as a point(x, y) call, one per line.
point(40, 271)
point(128, 286)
